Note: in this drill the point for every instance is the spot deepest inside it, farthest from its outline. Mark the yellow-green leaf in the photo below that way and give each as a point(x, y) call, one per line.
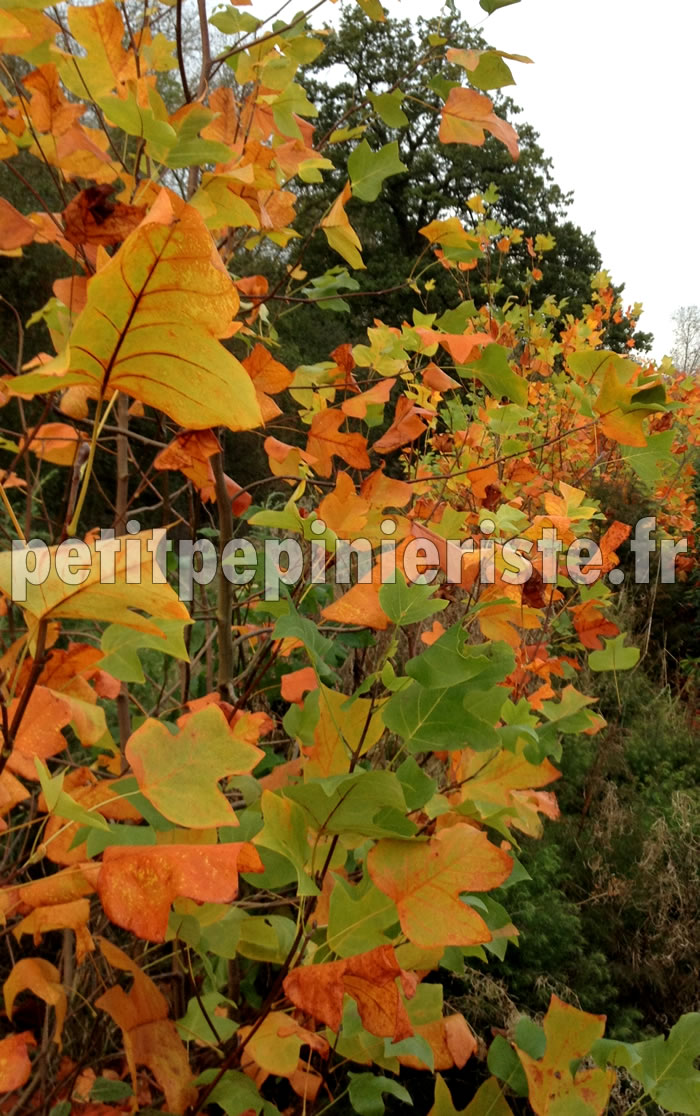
point(179, 773)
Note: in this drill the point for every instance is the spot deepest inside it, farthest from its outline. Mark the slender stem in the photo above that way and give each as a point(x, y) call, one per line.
point(96, 431)
point(224, 607)
point(180, 57)
point(121, 506)
point(10, 511)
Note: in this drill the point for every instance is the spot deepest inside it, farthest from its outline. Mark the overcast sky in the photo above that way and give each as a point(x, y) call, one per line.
point(614, 95)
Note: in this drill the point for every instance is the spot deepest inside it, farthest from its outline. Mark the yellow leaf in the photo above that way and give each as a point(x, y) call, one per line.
point(339, 232)
point(151, 324)
point(121, 577)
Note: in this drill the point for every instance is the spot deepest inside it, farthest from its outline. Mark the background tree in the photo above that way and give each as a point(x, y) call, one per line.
point(686, 338)
point(386, 65)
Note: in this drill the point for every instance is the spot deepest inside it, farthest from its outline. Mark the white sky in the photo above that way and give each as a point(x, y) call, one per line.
point(614, 95)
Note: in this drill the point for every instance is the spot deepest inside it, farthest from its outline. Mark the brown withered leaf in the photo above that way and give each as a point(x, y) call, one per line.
point(93, 218)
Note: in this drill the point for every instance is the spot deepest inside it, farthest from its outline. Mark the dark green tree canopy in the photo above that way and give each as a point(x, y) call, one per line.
point(365, 60)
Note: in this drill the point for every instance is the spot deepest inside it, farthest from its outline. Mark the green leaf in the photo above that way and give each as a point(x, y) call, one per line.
point(664, 1066)
point(221, 938)
point(235, 1093)
point(358, 917)
point(496, 374)
point(367, 803)
point(505, 1064)
point(105, 1091)
point(368, 169)
point(320, 650)
point(189, 149)
point(408, 604)
point(530, 1037)
point(450, 661)
point(137, 120)
point(491, 72)
point(291, 102)
point(648, 461)
point(418, 787)
point(492, 6)
point(194, 1024)
point(284, 832)
point(366, 1092)
point(231, 21)
point(61, 804)
point(388, 107)
point(266, 938)
point(615, 655)
point(98, 840)
point(121, 648)
point(437, 720)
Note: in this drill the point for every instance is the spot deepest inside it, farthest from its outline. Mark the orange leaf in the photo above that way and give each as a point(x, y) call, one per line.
point(48, 109)
point(15, 1066)
point(437, 380)
point(60, 916)
point(39, 731)
point(385, 492)
point(15, 230)
point(461, 346)
point(461, 567)
point(70, 671)
point(430, 637)
point(612, 540)
point(343, 510)
point(326, 442)
point(285, 460)
point(36, 975)
point(225, 126)
point(425, 880)
point(501, 620)
point(150, 1038)
point(269, 378)
point(406, 427)
point(298, 682)
point(369, 978)
point(451, 1041)
point(360, 605)
point(505, 779)
point(62, 887)
point(11, 793)
point(138, 884)
point(591, 624)
point(466, 114)
point(356, 406)
point(190, 453)
point(56, 442)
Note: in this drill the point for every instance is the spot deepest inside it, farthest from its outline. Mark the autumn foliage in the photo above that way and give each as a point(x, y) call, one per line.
point(241, 833)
